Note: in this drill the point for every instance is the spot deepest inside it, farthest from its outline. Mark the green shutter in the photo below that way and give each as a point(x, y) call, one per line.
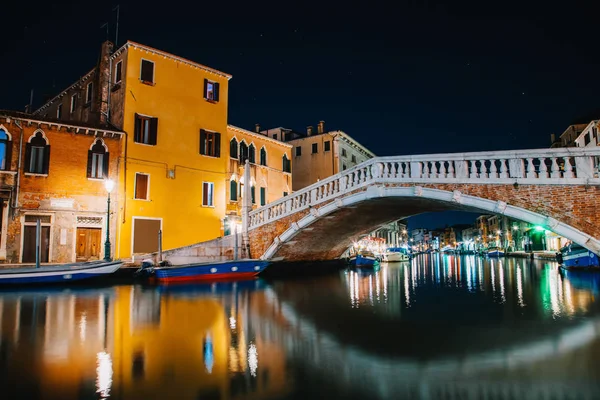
point(233, 190)
point(263, 196)
point(253, 194)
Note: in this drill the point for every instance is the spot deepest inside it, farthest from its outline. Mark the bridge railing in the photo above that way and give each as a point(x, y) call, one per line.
point(563, 166)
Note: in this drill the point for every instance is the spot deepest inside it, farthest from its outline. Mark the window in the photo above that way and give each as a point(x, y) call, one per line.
point(286, 164)
point(146, 129)
point(211, 90)
point(353, 158)
point(343, 167)
point(97, 166)
point(263, 196)
point(298, 151)
point(344, 153)
point(142, 186)
point(208, 194)
point(147, 72)
point(88, 93)
point(5, 150)
point(275, 136)
point(587, 138)
point(327, 145)
point(233, 148)
point(243, 152)
point(263, 156)
point(252, 154)
point(73, 103)
point(210, 143)
point(253, 194)
point(285, 194)
point(233, 190)
point(59, 111)
point(118, 72)
point(315, 148)
point(37, 154)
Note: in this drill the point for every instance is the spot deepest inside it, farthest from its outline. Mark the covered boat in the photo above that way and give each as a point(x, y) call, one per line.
point(395, 254)
point(363, 259)
point(495, 252)
point(575, 256)
point(58, 273)
point(237, 269)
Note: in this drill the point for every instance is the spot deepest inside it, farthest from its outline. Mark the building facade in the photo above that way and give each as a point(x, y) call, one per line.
point(270, 171)
point(174, 173)
point(320, 154)
point(589, 135)
point(63, 189)
point(567, 138)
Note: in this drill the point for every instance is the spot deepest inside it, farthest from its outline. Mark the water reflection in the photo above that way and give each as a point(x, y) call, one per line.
point(437, 327)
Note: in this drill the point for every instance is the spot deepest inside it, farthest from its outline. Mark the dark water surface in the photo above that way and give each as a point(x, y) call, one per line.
point(439, 327)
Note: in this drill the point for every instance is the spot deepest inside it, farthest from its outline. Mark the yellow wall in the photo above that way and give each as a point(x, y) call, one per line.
point(177, 100)
point(270, 176)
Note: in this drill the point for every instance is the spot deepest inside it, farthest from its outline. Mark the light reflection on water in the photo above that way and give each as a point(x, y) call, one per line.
point(434, 327)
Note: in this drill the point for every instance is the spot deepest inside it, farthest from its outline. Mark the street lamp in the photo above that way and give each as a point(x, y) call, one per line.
point(109, 185)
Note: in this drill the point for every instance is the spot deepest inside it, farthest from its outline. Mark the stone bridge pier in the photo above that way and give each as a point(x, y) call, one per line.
point(555, 188)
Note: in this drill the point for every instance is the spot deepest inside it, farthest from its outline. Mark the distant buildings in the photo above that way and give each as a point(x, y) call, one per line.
point(578, 135)
point(319, 154)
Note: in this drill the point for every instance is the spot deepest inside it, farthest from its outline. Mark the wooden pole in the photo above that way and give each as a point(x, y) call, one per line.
point(38, 233)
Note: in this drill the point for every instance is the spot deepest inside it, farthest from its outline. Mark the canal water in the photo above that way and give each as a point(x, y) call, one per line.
point(437, 327)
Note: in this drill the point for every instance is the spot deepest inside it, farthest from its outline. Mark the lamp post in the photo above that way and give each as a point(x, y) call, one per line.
point(109, 185)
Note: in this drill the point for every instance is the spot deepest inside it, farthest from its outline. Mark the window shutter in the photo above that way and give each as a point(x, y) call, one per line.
point(202, 142)
point(147, 71)
point(205, 88)
point(233, 190)
point(105, 166)
point(217, 144)
point(262, 196)
point(205, 194)
point(27, 157)
point(233, 149)
point(89, 163)
point(136, 128)
point(46, 159)
point(216, 93)
point(253, 194)
point(8, 155)
point(153, 134)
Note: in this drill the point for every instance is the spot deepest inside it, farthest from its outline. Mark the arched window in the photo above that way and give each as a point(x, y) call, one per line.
point(233, 148)
point(253, 193)
point(37, 154)
point(263, 156)
point(286, 165)
point(97, 165)
point(252, 154)
point(243, 152)
point(233, 190)
point(5, 150)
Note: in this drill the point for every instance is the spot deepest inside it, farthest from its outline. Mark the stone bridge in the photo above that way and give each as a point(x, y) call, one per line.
point(555, 188)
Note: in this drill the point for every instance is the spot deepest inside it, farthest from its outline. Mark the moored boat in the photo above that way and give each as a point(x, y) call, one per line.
point(363, 259)
point(575, 256)
point(396, 254)
point(58, 273)
point(238, 269)
point(495, 252)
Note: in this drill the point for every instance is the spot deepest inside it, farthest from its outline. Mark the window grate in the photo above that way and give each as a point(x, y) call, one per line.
point(89, 221)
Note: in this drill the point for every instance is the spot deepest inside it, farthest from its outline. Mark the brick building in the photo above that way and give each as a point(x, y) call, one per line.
point(63, 188)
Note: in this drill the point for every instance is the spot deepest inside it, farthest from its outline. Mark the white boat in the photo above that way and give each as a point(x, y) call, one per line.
point(396, 254)
point(58, 273)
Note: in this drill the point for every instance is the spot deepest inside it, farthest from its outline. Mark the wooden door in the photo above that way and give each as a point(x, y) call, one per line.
point(29, 244)
point(89, 243)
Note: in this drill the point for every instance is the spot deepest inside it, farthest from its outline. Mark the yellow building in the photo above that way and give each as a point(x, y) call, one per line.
point(270, 170)
point(173, 172)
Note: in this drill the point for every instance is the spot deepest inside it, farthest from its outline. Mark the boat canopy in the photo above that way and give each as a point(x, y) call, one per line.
point(397, 250)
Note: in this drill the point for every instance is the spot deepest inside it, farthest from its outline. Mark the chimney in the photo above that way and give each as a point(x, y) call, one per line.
point(552, 138)
point(257, 128)
point(103, 80)
point(309, 130)
point(321, 127)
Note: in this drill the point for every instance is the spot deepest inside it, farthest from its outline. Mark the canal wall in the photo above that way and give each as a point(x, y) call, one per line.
point(216, 250)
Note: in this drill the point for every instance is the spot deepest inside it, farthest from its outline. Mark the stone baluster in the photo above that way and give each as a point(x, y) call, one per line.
point(503, 169)
point(343, 181)
point(437, 169)
point(386, 170)
point(493, 170)
point(543, 168)
point(426, 169)
point(554, 169)
point(451, 173)
point(568, 168)
point(473, 165)
point(530, 168)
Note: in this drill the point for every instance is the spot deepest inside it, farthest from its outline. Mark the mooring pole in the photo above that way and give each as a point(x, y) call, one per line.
point(235, 246)
point(160, 246)
point(38, 236)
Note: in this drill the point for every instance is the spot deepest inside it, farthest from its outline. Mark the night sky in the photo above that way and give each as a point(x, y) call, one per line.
point(416, 77)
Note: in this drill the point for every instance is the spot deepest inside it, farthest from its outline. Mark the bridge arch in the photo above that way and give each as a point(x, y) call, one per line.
point(316, 227)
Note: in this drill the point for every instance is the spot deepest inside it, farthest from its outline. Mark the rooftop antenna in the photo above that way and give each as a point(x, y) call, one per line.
point(117, 28)
point(29, 109)
point(105, 25)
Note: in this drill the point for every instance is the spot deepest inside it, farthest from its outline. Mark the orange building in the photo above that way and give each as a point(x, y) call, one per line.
point(55, 172)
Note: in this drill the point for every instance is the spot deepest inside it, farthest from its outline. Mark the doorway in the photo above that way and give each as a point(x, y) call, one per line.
point(89, 243)
point(29, 232)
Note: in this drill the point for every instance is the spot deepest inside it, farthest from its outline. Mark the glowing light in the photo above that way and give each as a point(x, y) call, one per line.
point(515, 228)
point(109, 185)
point(539, 228)
point(252, 359)
point(499, 232)
point(104, 373)
point(82, 327)
point(520, 286)
point(209, 359)
point(232, 322)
